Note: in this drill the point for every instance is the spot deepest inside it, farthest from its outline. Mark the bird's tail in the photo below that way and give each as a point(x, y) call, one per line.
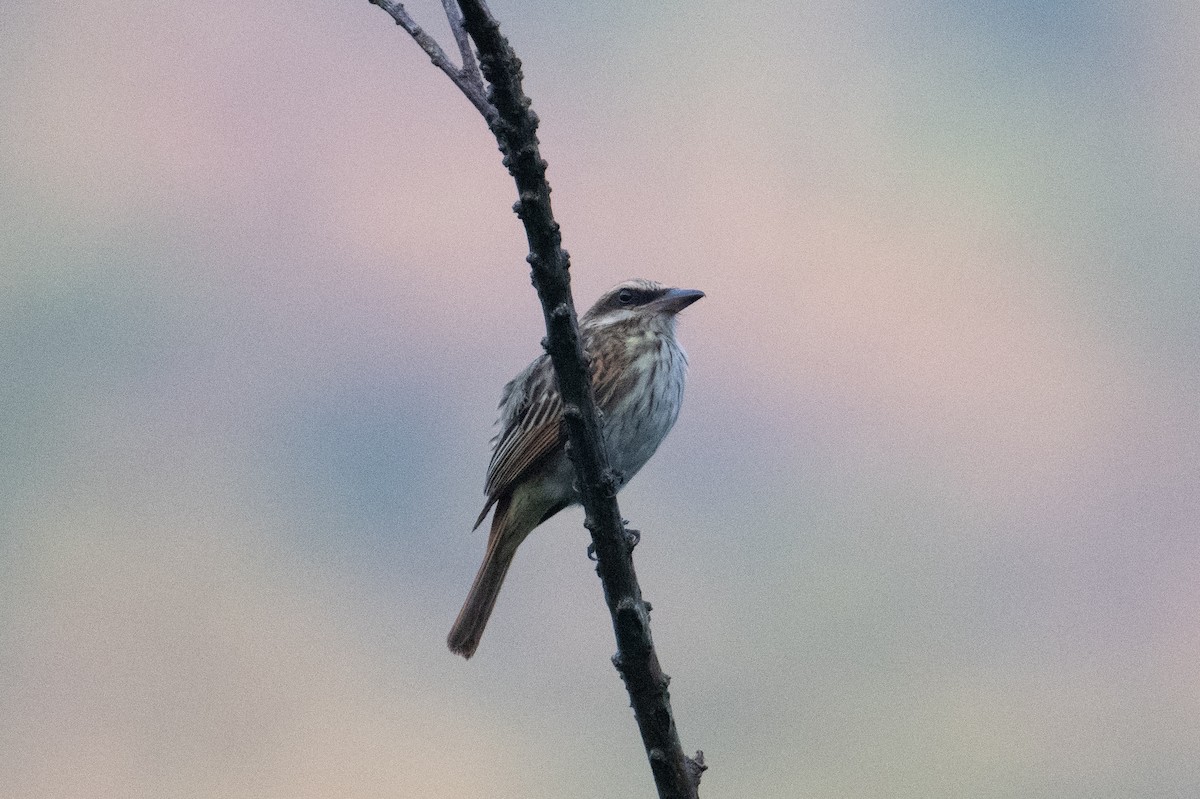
point(502, 546)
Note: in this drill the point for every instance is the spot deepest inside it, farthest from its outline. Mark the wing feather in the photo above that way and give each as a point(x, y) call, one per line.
point(531, 416)
point(530, 429)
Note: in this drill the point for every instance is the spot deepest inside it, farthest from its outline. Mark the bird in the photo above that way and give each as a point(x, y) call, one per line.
point(638, 371)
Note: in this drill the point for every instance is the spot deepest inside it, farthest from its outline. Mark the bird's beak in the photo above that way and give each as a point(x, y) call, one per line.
point(675, 300)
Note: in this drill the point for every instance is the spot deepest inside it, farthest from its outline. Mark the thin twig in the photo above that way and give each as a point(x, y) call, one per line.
point(470, 69)
point(466, 79)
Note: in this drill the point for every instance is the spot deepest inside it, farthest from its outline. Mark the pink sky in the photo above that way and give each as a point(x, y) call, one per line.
point(926, 527)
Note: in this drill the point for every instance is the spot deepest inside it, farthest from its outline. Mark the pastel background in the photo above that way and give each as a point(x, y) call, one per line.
point(926, 528)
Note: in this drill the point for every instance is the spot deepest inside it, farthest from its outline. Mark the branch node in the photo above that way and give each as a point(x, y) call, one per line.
point(527, 201)
point(610, 482)
point(695, 766)
point(631, 615)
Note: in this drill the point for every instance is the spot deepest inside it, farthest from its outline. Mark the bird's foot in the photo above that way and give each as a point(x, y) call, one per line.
point(632, 538)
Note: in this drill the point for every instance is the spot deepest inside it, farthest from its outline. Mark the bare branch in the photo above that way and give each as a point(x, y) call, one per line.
point(510, 118)
point(465, 79)
point(675, 774)
point(470, 69)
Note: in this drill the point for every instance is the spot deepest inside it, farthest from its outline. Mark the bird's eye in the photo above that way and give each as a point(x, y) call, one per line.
point(625, 296)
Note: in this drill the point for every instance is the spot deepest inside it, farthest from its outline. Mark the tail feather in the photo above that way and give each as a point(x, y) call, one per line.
point(502, 547)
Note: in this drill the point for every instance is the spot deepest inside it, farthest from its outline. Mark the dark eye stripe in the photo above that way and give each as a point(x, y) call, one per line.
point(627, 298)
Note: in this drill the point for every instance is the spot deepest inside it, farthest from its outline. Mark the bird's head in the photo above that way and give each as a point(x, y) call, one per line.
point(641, 303)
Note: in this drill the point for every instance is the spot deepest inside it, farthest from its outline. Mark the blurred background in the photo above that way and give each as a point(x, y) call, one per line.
point(927, 526)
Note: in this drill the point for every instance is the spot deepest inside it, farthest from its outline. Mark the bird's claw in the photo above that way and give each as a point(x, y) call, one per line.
point(632, 538)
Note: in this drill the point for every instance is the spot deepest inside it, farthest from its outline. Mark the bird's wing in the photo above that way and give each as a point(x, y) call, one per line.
point(530, 428)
